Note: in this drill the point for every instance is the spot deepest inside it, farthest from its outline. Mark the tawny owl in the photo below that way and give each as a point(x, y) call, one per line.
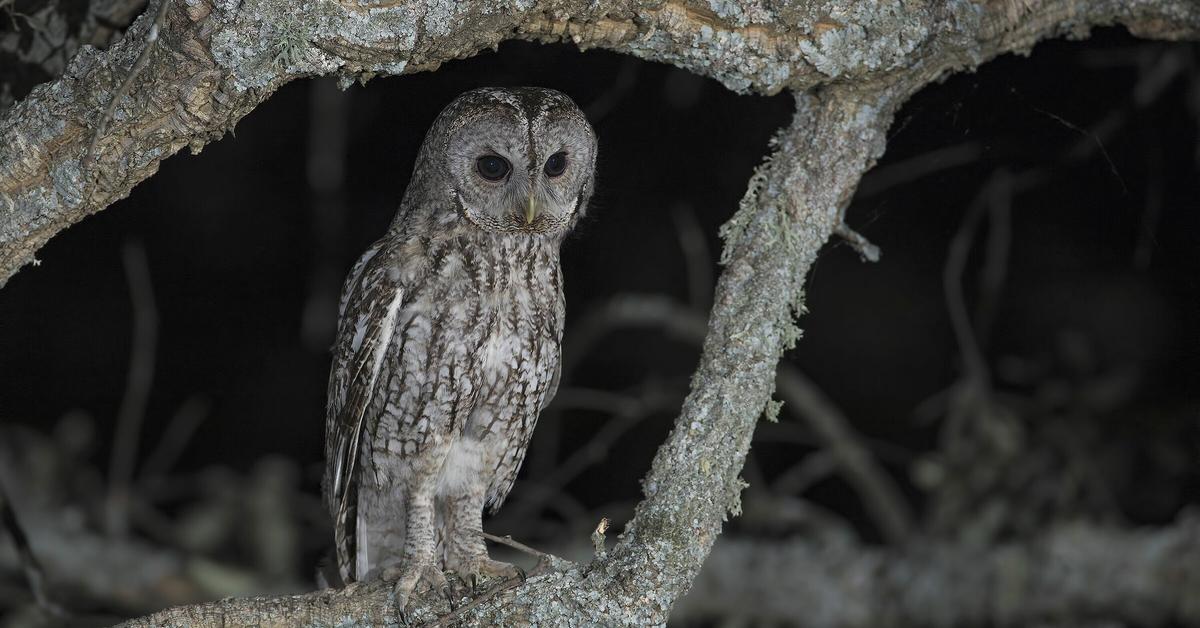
point(448, 338)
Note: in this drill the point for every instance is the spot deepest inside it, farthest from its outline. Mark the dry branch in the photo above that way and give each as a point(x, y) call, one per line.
point(216, 60)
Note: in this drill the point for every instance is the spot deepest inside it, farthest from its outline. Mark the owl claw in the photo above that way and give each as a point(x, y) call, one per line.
point(410, 577)
point(487, 571)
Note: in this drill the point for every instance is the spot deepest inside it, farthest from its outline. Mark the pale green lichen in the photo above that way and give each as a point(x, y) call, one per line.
point(771, 410)
point(866, 37)
point(735, 228)
point(733, 498)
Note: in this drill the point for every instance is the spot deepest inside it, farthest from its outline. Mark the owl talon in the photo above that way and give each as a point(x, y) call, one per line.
point(422, 576)
point(485, 571)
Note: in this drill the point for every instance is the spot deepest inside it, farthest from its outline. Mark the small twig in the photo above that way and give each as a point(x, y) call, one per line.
point(697, 259)
point(627, 412)
point(857, 241)
point(132, 412)
point(517, 545)
point(1093, 137)
point(452, 617)
point(952, 275)
point(127, 84)
point(880, 494)
point(802, 475)
point(175, 438)
point(883, 178)
point(598, 537)
point(995, 266)
point(29, 563)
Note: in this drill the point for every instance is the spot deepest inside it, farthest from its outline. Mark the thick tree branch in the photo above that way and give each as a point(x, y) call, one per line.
point(793, 206)
point(218, 59)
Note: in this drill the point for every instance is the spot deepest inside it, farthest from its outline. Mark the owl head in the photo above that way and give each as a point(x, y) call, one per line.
point(519, 160)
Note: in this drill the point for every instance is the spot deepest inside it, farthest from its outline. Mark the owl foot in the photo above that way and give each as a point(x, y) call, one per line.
point(484, 571)
point(415, 577)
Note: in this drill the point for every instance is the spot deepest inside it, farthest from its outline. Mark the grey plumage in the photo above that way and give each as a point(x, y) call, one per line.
point(448, 337)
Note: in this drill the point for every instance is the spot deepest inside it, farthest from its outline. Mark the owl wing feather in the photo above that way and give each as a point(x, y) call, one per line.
point(368, 316)
point(552, 388)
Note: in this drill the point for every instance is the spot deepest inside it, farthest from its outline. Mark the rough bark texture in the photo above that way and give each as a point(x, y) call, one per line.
point(218, 59)
point(850, 64)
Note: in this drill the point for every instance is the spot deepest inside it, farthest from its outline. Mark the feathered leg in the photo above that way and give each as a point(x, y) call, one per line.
point(419, 564)
point(466, 553)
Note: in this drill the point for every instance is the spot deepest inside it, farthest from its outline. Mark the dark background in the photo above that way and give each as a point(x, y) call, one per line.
point(1094, 345)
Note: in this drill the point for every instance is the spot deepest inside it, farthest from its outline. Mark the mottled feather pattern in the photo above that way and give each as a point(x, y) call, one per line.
point(448, 337)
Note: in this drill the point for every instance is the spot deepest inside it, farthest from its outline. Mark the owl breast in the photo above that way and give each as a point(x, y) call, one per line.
point(521, 314)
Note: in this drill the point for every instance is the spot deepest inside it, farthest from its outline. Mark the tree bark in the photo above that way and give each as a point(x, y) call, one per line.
point(849, 64)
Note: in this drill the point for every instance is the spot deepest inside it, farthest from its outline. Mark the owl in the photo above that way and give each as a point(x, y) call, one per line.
point(448, 341)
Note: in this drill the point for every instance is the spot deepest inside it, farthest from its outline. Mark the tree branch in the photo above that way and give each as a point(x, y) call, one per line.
point(1077, 572)
point(786, 216)
point(851, 66)
point(216, 60)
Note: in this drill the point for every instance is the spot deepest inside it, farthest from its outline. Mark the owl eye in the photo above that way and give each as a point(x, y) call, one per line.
point(556, 164)
point(492, 167)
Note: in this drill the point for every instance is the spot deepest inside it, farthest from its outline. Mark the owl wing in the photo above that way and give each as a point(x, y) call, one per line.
point(367, 316)
point(552, 389)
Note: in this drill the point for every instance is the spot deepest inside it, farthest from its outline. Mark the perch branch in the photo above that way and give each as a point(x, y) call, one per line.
point(217, 61)
point(786, 216)
point(878, 491)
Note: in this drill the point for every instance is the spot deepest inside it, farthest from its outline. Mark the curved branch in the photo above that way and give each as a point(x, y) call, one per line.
point(217, 60)
point(790, 211)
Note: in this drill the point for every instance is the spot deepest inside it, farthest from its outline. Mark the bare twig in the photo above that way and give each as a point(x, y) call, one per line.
point(1092, 136)
point(127, 84)
point(632, 310)
point(879, 492)
point(995, 264)
point(627, 412)
point(598, 537)
point(800, 476)
point(857, 241)
point(887, 177)
point(175, 438)
point(952, 275)
point(697, 259)
point(517, 545)
point(137, 387)
point(32, 569)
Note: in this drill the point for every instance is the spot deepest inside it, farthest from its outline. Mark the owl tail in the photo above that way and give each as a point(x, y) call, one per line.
point(327, 574)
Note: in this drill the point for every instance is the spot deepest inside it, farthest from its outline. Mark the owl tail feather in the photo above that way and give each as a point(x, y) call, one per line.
point(327, 574)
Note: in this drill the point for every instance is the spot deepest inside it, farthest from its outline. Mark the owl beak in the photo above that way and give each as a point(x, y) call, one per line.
point(531, 211)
